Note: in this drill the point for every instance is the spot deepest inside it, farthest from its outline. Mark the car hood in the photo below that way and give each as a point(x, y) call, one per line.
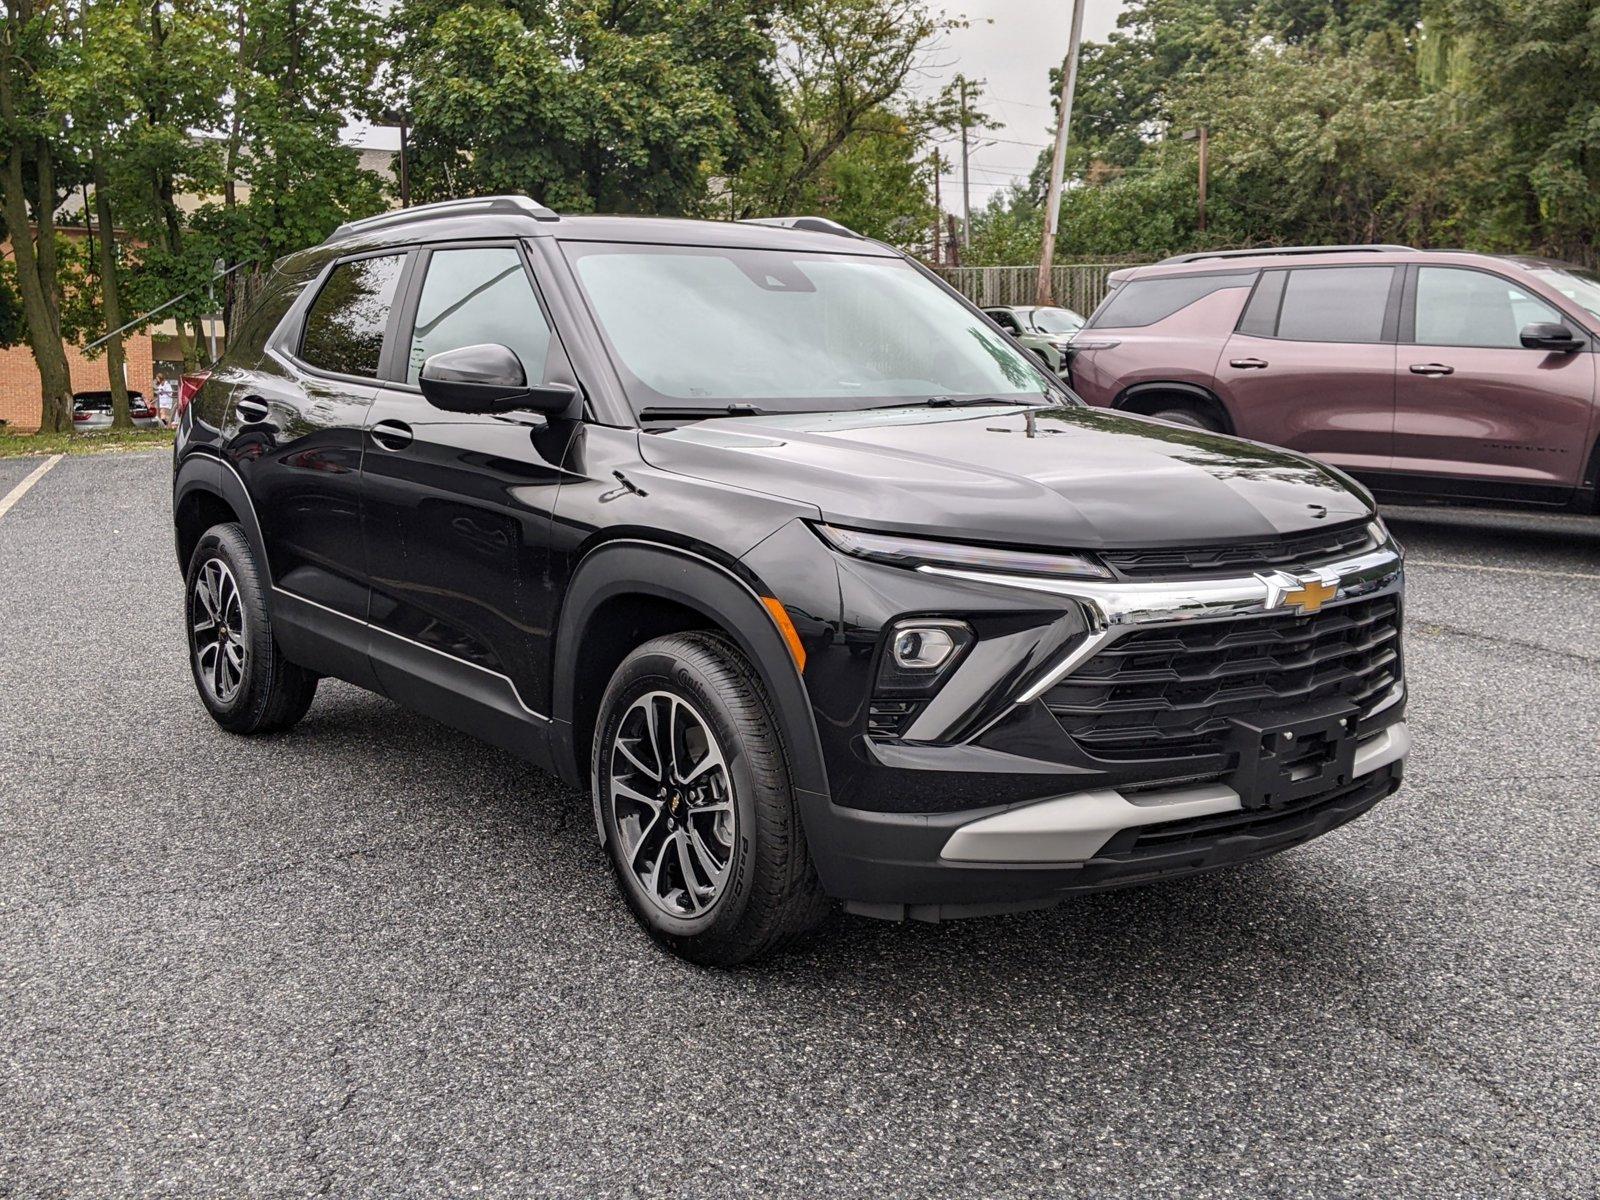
point(1068, 477)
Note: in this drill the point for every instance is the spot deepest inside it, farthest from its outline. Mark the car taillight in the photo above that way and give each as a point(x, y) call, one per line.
point(80, 416)
point(187, 387)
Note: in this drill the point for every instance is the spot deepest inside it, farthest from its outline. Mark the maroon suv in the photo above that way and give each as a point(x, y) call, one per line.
point(1428, 374)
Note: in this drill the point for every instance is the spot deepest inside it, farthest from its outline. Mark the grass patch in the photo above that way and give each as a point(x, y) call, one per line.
point(100, 442)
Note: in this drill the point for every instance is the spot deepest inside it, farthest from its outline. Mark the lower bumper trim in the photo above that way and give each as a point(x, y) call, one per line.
point(1069, 829)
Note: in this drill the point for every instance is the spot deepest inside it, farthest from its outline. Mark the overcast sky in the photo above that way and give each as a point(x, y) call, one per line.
point(1011, 45)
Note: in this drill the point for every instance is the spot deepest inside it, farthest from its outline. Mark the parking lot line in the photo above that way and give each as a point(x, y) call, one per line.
point(21, 490)
point(1466, 566)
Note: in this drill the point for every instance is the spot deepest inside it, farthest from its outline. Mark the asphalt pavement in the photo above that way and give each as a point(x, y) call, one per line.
point(370, 957)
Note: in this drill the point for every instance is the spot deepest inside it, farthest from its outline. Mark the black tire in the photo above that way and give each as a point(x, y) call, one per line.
point(768, 894)
point(271, 693)
point(1193, 418)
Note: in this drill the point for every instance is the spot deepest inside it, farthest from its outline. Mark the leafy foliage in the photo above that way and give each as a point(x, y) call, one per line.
point(1474, 122)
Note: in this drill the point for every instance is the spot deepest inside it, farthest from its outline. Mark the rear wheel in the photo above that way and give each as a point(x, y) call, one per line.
point(1193, 418)
point(692, 796)
point(243, 679)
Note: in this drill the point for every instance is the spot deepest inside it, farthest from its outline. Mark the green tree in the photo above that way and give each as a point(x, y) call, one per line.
point(586, 104)
point(31, 36)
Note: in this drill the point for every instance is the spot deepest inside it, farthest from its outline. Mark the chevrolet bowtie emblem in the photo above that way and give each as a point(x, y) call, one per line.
point(1303, 594)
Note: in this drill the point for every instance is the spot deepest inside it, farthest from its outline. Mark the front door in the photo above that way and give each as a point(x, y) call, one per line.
point(1477, 413)
point(457, 509)
point(1311, 365)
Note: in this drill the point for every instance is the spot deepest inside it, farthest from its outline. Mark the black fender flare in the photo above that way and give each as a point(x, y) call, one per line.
point(201, 472)
point(725, 597)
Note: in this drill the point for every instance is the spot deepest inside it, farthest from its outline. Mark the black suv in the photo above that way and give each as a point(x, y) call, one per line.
point(821, 585)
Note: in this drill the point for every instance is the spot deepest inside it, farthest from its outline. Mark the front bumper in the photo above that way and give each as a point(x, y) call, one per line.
point(1060, 814)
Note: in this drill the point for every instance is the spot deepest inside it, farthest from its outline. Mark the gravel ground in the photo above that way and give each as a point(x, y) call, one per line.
point(370, 957)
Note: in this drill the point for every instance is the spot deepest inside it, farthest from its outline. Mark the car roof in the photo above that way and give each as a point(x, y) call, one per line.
point(519, 216)
point(1229, 262)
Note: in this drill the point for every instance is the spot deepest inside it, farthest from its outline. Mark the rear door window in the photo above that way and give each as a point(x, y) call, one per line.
point(346, 322)
point(1458, 307)
point(1146, 301)
point(1335, 304)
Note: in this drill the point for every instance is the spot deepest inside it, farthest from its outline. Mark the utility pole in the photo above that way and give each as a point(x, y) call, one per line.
point(1203, 136)
point(1058, 160)
point(938, 206)
point(966, 186)
point(405, 159)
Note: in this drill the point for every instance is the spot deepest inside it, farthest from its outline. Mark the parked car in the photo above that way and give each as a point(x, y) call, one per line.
point(1428, 375)
point(1042, 328)
point(768, 539)
point(92, 410)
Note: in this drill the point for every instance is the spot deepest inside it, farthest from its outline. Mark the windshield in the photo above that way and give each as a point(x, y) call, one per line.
point(1575, 283)
point(1056, 320)
point(698, 327)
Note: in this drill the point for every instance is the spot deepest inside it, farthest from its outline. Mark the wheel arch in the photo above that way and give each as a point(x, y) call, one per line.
point(625, 592)
point(206, 491)
point(1146, 399)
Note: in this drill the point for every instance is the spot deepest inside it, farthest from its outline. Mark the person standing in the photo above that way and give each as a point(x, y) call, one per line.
point(164, 398)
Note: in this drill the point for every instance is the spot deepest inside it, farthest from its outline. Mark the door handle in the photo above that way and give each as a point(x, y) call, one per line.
point(1248, 364)
point(391, 435)
point(1431, 369)
point(253, 410)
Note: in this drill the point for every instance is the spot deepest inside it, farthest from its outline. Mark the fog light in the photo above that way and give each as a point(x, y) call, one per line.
point(923, 648)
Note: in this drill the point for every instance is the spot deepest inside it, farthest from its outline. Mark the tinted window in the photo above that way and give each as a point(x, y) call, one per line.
point(344, 328)
point(1056, 320)
point(1469, 308)
point(1335, 304)
point(1261, 314)
point(1146, 301)
point(480, 295)
point(1004, 319)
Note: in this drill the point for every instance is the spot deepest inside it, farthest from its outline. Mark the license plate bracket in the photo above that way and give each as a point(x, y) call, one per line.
point(1283, 760)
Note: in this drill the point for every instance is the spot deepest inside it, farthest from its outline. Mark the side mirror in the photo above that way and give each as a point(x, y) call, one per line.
point(1550, 335)
point(487, 378)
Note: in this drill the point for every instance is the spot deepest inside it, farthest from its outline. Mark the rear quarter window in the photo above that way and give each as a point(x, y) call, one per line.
point(1146, 301)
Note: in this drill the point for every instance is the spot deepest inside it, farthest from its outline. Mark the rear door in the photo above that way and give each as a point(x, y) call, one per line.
point(457, 506)
point(1311, 364)
point(1476, 412)
point(294, 436)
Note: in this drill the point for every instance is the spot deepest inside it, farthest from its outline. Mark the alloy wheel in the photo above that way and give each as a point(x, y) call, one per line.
point(217, 631)
point(671, 799)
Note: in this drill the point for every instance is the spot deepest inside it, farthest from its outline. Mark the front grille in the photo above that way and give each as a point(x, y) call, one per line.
point(1293, 550)
point(1313, 815)
point(1171, 693)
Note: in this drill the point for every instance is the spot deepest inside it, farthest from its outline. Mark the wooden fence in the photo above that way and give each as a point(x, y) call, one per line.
point(1078, 286)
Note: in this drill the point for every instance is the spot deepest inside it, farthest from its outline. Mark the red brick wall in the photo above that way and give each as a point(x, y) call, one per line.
point(19, 378)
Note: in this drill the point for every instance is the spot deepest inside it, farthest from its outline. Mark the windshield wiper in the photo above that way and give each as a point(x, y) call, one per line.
point(962, 402)
point(700, 414)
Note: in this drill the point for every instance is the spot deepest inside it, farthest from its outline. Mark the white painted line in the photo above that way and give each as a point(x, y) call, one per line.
point(1462, 566)
point(21, 490)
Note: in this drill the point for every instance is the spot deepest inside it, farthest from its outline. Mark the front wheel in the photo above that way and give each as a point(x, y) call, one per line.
point(692, 796)
point(243, 679)
point(1189, 417)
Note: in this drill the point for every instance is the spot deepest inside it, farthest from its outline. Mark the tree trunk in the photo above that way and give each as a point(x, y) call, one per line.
point(110, 299)
point(37, 282)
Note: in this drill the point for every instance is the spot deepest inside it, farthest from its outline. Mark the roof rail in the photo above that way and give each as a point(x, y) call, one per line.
point(1264, 250)
point(523, 205)
point(812, 224)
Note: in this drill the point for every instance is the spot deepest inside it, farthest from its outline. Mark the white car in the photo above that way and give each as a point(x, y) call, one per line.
point(92, 410)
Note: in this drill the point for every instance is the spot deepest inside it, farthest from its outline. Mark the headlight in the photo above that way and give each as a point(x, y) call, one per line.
point(913, 552)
